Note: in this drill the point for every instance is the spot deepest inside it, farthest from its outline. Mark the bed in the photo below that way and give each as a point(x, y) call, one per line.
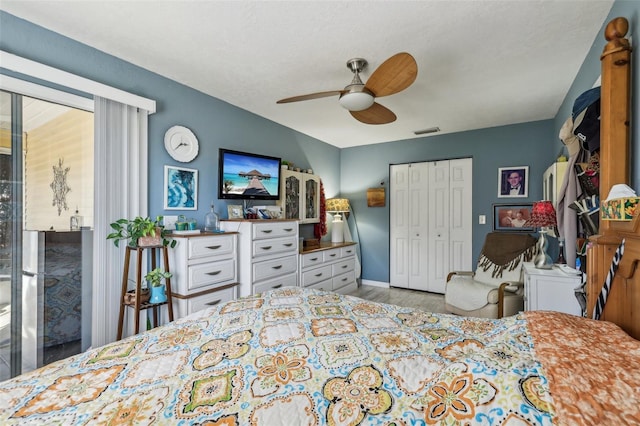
point(294, 356)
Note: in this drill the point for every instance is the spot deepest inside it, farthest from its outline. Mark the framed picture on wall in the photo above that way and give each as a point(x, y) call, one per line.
point(513, 182)
point(180, 188)
point(512, 217)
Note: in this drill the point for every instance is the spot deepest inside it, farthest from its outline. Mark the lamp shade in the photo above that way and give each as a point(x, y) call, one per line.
point(356, 101)
point(542, 215)
point(336, 205)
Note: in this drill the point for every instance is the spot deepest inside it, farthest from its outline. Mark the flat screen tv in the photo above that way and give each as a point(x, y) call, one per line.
point(245, 176)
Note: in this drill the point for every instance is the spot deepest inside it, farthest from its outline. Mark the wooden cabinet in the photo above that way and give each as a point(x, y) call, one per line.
point(550, 290)
point(205, 271)
point(300, 196)
point(267, 253)
point(330, 267)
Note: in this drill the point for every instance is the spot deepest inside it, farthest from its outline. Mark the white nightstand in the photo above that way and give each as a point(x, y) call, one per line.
point(550, 290)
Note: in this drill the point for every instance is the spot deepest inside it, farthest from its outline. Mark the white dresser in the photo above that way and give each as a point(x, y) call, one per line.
point(330, 267)
point(550, 290)
point(267, 253)
point(205, 271)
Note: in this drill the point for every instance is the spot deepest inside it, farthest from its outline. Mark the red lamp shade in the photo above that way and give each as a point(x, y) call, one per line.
point(542, 215)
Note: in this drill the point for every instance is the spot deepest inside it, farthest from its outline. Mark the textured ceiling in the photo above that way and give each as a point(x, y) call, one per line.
point(481, 63)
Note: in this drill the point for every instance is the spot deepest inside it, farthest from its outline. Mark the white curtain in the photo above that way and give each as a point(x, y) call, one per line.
point(120, 163)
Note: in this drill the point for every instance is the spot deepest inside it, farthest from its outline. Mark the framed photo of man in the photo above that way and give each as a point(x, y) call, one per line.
point(513, 182)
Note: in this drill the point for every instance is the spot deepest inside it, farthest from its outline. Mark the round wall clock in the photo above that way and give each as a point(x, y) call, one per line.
point(181, 144)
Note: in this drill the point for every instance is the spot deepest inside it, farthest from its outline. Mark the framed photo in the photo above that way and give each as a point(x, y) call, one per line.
point(180, 188)
point(235, 211)
point(512, 217)
point(513, 182)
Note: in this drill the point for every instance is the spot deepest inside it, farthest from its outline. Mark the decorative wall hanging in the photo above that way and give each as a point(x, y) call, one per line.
point(376, 197)
point(180, 188)
point(60, 187)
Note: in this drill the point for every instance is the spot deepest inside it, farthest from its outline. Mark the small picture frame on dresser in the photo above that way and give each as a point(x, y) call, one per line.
point(235, 211)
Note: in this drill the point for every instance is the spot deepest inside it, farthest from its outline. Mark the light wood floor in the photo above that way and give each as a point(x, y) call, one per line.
point(431, 302)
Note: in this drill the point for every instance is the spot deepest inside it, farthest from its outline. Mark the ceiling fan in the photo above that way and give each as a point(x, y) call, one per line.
point(392, 76)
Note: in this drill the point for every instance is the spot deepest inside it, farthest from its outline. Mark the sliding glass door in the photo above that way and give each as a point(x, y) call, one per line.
point(46, 222)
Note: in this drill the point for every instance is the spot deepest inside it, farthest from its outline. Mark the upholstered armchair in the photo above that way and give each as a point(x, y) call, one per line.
point(496, 287)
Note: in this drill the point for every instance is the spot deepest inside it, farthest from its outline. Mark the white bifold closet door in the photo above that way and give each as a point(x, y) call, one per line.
point(430, 222)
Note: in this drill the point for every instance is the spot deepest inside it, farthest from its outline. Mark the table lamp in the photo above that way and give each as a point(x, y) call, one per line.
point(543, 216)
point(336, 206)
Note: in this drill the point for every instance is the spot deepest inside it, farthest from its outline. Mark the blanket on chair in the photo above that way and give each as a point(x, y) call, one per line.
point(502, 251)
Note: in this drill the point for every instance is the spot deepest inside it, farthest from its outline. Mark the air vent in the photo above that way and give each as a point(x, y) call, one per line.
point(427, 131)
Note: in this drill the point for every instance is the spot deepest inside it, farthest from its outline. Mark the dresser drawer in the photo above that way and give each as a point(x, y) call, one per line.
point(343, 266)
point(311, 259)
point(211, 247)
point(274, 230)
point(316, 275)
point(326, 285)
point(289, 280)
point(343, 280)
point(193, 304)
point(330, 255)
point(206, 274)
point(348, 251)
point(273, 268)
point(275, 246)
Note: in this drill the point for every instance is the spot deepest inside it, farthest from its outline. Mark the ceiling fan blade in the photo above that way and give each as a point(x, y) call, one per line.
point(375, 114)
point(393, 75)
point(309, 96)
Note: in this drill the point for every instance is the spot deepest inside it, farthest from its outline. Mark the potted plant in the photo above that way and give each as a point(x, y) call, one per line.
point(140, 232)
point(154, 278)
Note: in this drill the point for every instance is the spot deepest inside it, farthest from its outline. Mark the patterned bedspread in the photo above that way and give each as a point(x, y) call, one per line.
point(304, 357)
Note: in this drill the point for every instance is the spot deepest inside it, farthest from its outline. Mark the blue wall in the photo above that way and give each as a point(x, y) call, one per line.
point(527, 144)
point(349, 171)
point(216, 124)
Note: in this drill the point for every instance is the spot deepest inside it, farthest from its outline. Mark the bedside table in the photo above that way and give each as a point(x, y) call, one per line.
point(550, 290)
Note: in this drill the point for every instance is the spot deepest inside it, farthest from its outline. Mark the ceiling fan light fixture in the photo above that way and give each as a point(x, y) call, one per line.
point(356, 101)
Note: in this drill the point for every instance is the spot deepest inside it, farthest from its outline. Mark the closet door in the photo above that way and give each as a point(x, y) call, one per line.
point(399, 225)
point(438, 229)
point(460, 216)
point(419, 189)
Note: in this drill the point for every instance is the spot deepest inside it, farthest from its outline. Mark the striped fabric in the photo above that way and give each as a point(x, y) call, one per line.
point(606, 287)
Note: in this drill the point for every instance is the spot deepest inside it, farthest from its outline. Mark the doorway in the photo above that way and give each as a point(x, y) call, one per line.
point(46, 222)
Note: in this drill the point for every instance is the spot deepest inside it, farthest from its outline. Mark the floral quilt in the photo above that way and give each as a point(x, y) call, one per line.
point(300, 357)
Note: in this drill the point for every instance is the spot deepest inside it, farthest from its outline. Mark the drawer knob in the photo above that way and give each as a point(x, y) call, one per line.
point(267, 231)
point(319, 275)
point(213, 273)
point(333, 255)
point(344, 279)
point(277, 286)
point(277, 267)
point(288, 245)
point(266, 248)
point(345, 266)
point(288, 229)
point(214, 247)
point(314, 259)
point(213, 303)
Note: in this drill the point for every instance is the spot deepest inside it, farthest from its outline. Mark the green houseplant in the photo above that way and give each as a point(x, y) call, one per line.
point(139, 227)
point(154, 278)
